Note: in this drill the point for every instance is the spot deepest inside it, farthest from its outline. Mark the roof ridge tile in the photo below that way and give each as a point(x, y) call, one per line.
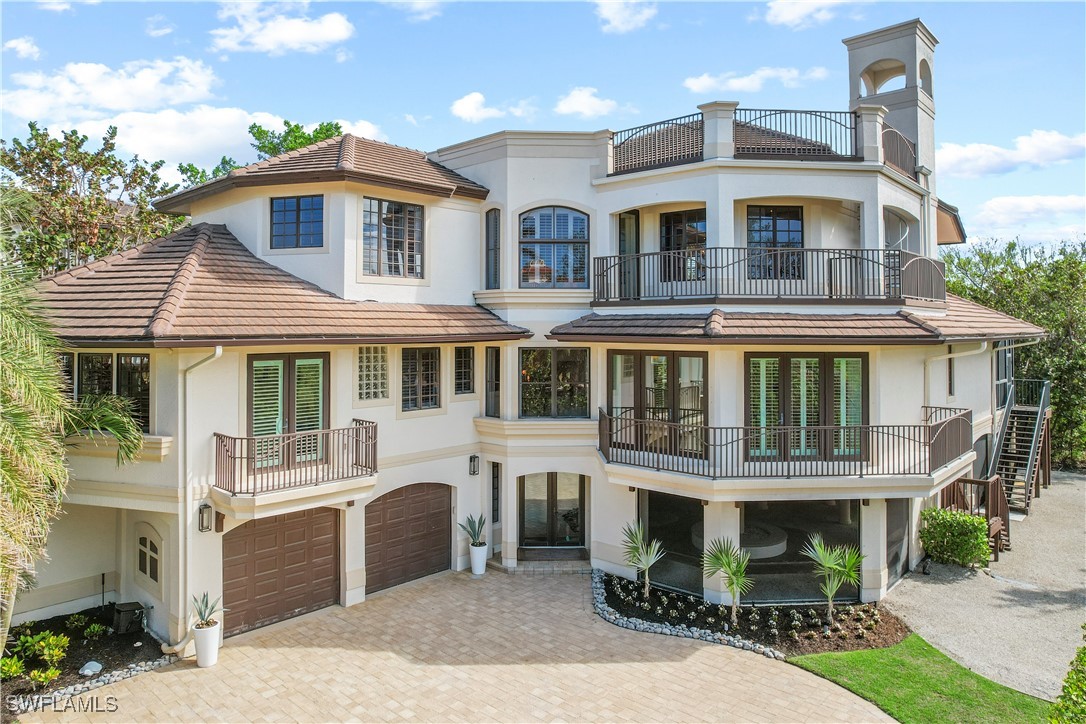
point(164, 315)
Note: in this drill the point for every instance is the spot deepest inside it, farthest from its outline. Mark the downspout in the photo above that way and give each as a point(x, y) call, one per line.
point(950, 355)
point(186, 527)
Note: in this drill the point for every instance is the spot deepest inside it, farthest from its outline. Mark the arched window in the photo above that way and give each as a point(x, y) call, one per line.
point(902, 233)
point(553, 248)
point(925, 78)
point(149, 572)
point(883, 76)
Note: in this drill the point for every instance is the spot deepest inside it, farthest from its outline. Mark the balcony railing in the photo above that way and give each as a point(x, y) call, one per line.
point(717, 273)
point(674, 141)
point(898, 151)
point(805, 135)
point(787, 451)
point(254, 465)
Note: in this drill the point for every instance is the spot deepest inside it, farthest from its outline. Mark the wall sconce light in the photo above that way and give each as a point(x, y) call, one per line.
point(205, 518)
point(473, 465)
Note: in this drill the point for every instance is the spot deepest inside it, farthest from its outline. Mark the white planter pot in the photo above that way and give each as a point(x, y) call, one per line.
point(478, 559)
point(207, 644)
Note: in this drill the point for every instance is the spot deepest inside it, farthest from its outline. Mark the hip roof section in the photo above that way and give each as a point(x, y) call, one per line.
point(201, 286)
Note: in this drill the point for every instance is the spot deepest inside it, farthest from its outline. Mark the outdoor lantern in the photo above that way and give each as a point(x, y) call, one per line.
point(473, 465)
point(205, 518)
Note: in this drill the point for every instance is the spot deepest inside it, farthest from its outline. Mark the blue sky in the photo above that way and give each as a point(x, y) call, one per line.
point(183, 81)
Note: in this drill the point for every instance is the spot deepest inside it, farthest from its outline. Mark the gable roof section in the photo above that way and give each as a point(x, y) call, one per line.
point(201, 286)
point(343, 158)
point(964, 320)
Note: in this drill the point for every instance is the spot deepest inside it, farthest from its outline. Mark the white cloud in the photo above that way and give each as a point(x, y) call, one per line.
point(92, 89)
point(1037, 150)
point(524, 109)
point(583, 101)
point(56, 7)
point(158, 26)
point(801, 14)
point(473, 108)
point(343, 55)
point(365, 129)
point(24, 47)
point(623, 16)
point(418, 11)
point(1031, 218)
point(278, 28)
point(411, 119)
point(732, 82)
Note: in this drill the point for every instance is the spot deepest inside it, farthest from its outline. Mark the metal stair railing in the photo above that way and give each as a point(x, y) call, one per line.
point(1001, 434)
point(1038, 427)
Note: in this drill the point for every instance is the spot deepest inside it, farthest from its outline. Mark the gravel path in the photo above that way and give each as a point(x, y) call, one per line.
point(1019, 624)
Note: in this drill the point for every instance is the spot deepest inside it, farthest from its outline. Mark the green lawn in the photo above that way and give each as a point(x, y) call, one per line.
point(914, 682)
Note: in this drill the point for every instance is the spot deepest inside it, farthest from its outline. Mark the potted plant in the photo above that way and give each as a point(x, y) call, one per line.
point(474, 527)
point(207, 630)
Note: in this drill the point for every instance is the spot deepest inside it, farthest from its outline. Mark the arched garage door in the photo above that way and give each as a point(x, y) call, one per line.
point(278, 567)
point(408, 535)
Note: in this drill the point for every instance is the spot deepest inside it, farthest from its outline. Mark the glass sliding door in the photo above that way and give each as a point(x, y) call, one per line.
point(552, 516)
point(678, 523)
point(658, 400)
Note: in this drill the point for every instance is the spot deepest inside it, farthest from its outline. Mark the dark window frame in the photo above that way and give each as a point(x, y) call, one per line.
point(492, 259)
point(375, 257)
point(297, 222)
point(1004, 379)
point(673, 356)
point(495, 492)
point(553, 383)
point(425, 398)
point(776, 259)
point(554, 243)
point(492, 406)
point(683, 255)
point(463, 371)
point(289, 360)
point(120, 374)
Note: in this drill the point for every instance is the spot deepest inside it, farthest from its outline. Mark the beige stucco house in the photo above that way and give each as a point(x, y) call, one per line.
point(730, 324)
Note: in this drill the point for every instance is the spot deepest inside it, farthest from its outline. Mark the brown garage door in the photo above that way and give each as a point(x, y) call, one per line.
point(278, 567)
point(408, 535)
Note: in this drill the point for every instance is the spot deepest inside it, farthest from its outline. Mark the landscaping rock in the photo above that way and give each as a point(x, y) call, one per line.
point(90, 668)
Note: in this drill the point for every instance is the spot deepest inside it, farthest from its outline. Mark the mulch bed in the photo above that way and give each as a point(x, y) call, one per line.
point(855, 626)
point(112, 651)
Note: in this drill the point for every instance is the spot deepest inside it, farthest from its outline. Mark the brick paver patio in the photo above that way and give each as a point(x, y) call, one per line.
point(452, 648)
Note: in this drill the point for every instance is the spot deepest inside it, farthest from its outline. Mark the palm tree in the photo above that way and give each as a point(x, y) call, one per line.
point(835, 565)
point(36, 415)
point(641, 554)
point(730, 561)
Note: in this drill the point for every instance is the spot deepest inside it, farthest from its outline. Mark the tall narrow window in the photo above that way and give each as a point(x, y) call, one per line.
point(297, 222)
point(493, 382)
point(554, 248)
point(774, 234)
point(682, 236)
point(493, 249)
point(373, 373)
point(553, 382)
point(421, 378)
point(134, 382)
point(67, 369)
point(463, 370)
point(1004, 372)
point(950, 372)
point(392, 243)
point(495, 492)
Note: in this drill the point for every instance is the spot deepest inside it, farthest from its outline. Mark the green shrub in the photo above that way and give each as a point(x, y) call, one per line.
point(30, 647)
point(94, 632)
point(76, 622)
point(11, 667)
point(953, 536)
point(54, 649)
point(43, 677)
point(1071, 704)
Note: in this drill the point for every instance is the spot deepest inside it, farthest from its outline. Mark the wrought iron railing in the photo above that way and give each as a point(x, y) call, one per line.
point(674, 141)
point(753, 273)
point(810, 135)
point(254, 465)
point(898, 151)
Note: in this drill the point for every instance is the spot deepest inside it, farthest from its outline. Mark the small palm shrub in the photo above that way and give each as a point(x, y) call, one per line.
point(836, 566)
point(954, 536)
point(730, 561)
point(641, 554)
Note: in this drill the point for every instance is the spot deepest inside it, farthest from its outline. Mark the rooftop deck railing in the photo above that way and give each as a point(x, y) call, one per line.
point(846, 275)
point(786, 451)
point(674, 141)
point(264, 464)
point(898, 151)
point(805, 135)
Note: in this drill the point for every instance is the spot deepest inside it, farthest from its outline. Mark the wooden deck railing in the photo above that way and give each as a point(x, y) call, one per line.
point(985, 498)
point(787, 451)
point(254, 465)
point(753, 273)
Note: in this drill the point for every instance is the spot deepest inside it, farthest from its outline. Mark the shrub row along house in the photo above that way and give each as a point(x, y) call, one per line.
point(730, 324)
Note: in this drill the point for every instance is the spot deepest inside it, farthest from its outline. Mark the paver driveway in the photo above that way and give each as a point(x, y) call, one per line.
point(503, 648)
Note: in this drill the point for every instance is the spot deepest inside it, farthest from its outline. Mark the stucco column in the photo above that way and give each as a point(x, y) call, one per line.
point(873, 545)
point(354, 553)
point(605, 154)
point(510, 522)
point(722, 520)
point(870, 132)
point(718, 118)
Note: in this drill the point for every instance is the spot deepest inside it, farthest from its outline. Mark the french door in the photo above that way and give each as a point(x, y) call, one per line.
point(659, 401)
point(551, 511)
point(629, 246)
point(288, 393)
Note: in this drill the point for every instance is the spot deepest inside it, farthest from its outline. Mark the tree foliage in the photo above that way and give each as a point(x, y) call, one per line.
point(91, 202)
point(36, 415)
point(1045, 286)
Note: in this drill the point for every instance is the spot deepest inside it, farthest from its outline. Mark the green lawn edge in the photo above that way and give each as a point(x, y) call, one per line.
point(914, 682)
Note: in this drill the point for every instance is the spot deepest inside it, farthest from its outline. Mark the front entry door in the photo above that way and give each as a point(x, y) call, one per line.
point(551, 515)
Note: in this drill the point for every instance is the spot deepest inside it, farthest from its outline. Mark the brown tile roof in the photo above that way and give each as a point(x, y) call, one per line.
point(963, 320)
point(200, 285)
point(343, 158)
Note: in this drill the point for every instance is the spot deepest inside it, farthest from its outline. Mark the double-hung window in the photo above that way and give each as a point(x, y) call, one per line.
point(392, 243)
point(105, 373)
point(297, 222)
point(682, 239)
point(420, 378)
point(463, 370)
point(775, 242)
point(805, 405)
point(553, 248)
point(553, 382)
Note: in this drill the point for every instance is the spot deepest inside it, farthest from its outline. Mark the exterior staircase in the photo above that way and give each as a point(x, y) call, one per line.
point(1020, 458)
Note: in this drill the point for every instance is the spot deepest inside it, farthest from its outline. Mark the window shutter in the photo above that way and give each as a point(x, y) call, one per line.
point(308, 405)
point(847, 404)
point(267, 410)
point(493, 249)
point(765, 409)
point(805, 404)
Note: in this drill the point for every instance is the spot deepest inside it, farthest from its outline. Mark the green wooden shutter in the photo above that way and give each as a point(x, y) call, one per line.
point(765, 406)
point(847, 404)
point(308, 406)
point(268, 411)
point(805, 403)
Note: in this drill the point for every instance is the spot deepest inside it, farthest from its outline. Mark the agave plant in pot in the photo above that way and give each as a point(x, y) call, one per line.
point(207, 630)
point(475, 528)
